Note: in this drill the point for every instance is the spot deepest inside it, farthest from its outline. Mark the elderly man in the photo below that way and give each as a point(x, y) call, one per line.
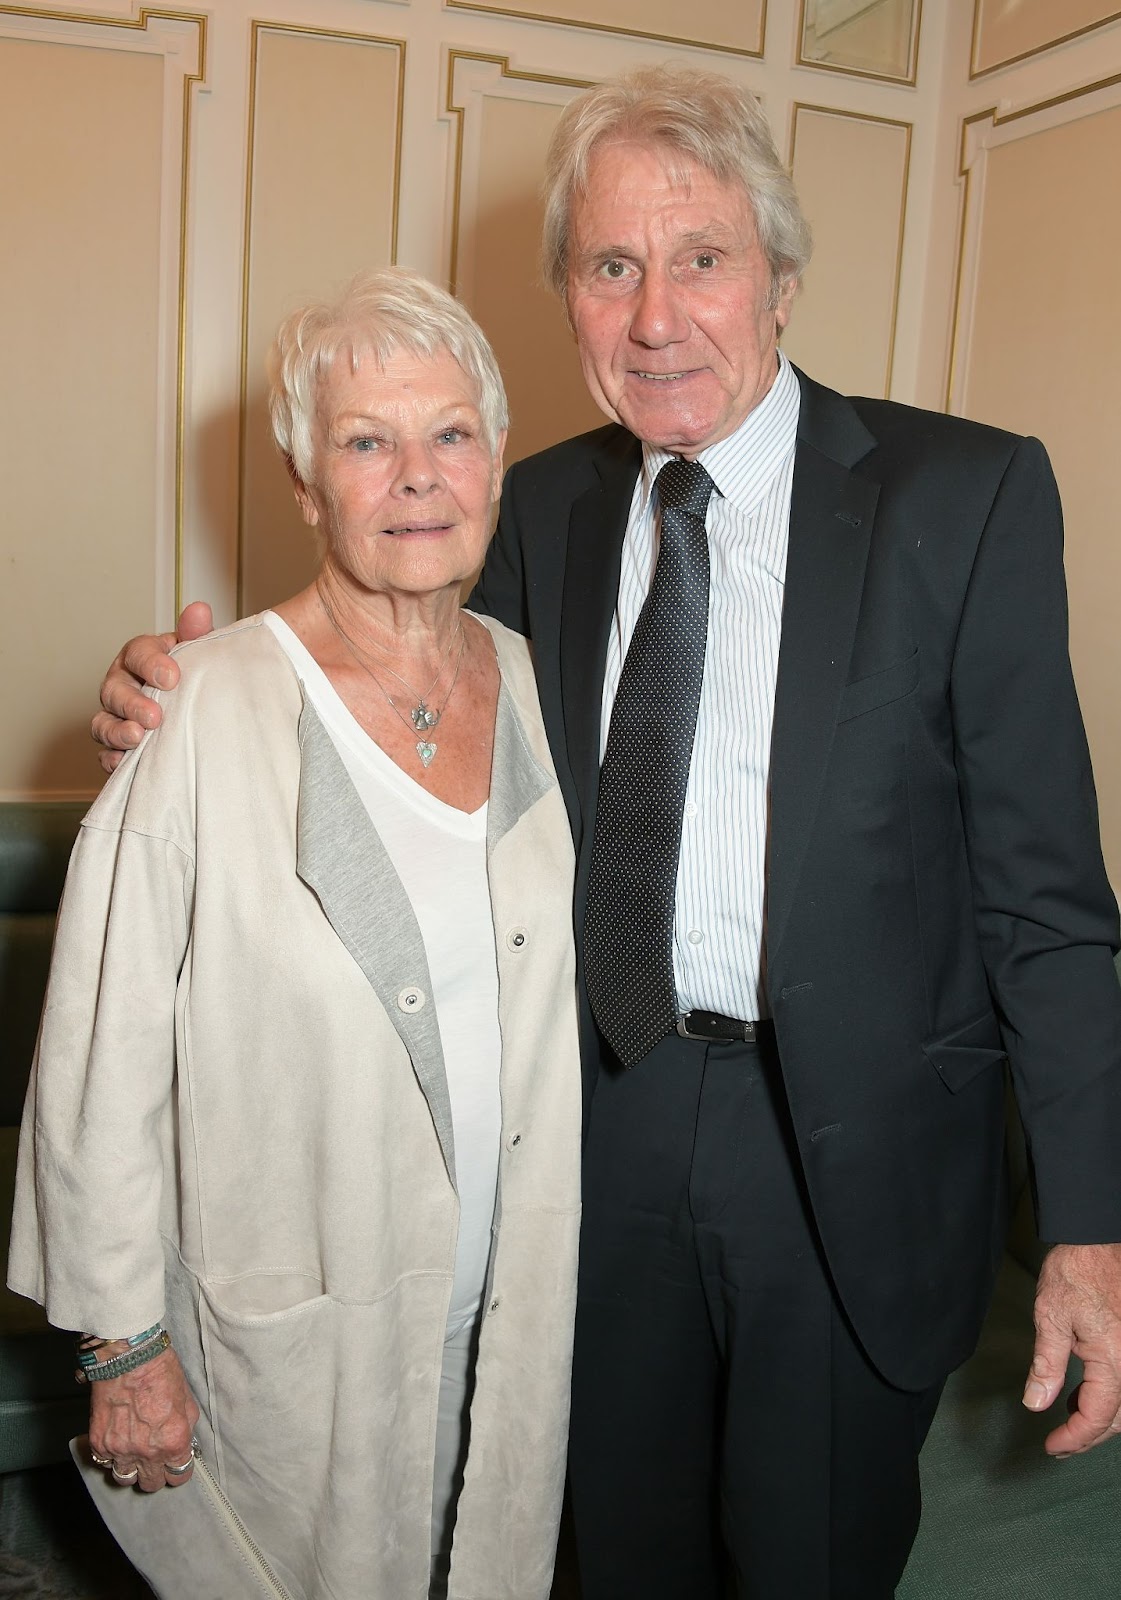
point(803, 665)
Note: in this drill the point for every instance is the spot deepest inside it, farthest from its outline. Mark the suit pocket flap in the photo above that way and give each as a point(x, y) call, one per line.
point(959, 1056)
point(879, 688)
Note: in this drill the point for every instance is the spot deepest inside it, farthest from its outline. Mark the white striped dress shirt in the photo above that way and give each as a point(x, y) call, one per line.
point(719, 955)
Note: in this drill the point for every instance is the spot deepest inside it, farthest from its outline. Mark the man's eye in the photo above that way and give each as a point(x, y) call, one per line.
point(705, 260)
point(613, 269)
point(451, 435)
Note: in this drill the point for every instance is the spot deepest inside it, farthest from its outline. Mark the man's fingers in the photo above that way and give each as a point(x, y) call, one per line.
point(195, 620)
point(144, 660)
point(1048, 1368)
point(117, 736)
point(1094, 1418)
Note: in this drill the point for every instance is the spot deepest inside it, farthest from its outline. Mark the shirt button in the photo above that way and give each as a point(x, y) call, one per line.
point(690, 808)
point(516, 939)
point(696, 936)
point(411, 1000)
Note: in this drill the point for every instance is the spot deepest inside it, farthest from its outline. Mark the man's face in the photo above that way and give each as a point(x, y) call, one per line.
point(668, 291)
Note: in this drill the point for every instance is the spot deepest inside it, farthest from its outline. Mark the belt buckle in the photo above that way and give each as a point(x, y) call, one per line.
point(746, 1031)
point(683, 1031)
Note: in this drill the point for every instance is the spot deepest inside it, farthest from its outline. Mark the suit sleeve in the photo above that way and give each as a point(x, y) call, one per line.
point(1045, 913)
point(500, 589)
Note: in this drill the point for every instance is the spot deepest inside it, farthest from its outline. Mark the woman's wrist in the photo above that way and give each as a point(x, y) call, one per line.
point(99, 1359)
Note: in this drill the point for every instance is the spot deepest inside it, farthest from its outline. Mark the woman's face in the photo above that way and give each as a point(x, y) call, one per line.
point(402, 480)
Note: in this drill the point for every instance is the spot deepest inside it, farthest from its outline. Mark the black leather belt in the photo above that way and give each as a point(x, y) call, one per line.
point(711, 1025)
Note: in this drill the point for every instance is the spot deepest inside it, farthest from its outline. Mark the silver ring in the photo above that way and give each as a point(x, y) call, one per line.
point(126, 1477)
point(187, 1465)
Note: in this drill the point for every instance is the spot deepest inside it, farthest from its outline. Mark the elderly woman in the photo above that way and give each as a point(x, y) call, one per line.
point(300, 1149)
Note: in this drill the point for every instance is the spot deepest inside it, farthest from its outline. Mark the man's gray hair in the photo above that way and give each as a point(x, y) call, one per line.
point(701, 115)
point(376, 314)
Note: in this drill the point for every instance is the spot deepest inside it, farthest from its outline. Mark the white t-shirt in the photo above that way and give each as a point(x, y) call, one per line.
point(439, 854)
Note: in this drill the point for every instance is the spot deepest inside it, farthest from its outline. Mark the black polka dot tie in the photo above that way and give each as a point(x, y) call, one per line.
point(628, 922)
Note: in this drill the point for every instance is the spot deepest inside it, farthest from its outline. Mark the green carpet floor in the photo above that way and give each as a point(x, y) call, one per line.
point(1000, 1521)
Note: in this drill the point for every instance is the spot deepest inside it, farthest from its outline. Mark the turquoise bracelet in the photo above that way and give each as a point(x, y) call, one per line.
point(128, 1361)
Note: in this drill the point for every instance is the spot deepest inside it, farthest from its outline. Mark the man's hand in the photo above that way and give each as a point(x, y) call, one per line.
point(143, 661)
point(144, 1421)
point(1078, 1312)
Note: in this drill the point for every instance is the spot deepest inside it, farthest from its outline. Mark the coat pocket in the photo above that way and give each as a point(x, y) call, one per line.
point(879, 688)
point(959, 1056)
point(188, 1543)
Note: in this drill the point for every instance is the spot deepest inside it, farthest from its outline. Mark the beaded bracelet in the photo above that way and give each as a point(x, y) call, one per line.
point(127, 1361)
point(90, 1343)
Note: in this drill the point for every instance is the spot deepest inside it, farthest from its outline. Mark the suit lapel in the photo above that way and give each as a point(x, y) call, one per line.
point(597, 523)
point(831, 516)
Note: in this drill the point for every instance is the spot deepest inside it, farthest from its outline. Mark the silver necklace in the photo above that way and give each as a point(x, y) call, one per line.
point(421, 718)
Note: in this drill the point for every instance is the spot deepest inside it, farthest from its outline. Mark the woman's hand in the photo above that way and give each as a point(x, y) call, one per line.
point(145, 1420)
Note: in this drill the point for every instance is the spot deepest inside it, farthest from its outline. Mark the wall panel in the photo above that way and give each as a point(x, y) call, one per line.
point(1044, 334)
point(505, 123)
point(323, 185)
point(94, 125)
point(739, 28)
point(870, 38)
point(1005, 31)
point(851, 173)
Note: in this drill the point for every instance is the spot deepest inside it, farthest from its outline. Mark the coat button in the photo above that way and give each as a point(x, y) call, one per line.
point(411, 1000)
point(513, 1141)
point(493, 1305)
point(516, 939)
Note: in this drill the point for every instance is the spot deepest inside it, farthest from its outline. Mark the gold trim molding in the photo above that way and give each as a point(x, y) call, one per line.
point(626, 33)
point(457, 112)
point(258, 29)
point(976, 72)
point(191, 81)
point(856, 72)
point(998, 119)
point(890, 122)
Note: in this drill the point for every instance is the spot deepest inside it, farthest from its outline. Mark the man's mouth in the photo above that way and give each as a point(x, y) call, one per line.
point(417, 527)
point(662, 377)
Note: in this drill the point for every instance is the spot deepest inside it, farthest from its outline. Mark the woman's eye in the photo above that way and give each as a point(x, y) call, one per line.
point(363, 445)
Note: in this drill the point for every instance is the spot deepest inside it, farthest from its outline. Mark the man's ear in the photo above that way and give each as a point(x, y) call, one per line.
point(304, 498)
point(785, 302)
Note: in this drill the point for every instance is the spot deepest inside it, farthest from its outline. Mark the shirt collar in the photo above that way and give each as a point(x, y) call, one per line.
point(744, 465)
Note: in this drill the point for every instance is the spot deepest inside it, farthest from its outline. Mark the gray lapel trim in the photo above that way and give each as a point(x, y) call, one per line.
point(518, 780)
point(343, 861)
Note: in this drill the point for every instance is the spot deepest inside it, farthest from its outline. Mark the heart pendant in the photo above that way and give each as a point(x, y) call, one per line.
point(425, 751)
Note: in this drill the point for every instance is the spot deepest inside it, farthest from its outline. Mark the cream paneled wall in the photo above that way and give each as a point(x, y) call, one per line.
point(327, 134)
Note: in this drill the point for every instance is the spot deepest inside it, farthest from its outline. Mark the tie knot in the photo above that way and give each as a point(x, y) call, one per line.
point(684, 486)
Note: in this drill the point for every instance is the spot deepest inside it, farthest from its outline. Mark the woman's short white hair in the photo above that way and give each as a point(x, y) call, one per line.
point(376, 314)
point(701, 115)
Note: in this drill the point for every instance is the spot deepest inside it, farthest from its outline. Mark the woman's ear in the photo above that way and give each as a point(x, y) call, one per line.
point(304, 497)
point(499, 451)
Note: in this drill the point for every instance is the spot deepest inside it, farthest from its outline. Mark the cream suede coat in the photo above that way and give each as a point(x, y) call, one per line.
point(239, 1121)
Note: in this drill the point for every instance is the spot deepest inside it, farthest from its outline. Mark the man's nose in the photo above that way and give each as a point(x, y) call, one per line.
point(659, 314)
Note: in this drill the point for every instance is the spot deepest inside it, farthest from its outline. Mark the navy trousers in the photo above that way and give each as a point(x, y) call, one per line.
point(729, 1437)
